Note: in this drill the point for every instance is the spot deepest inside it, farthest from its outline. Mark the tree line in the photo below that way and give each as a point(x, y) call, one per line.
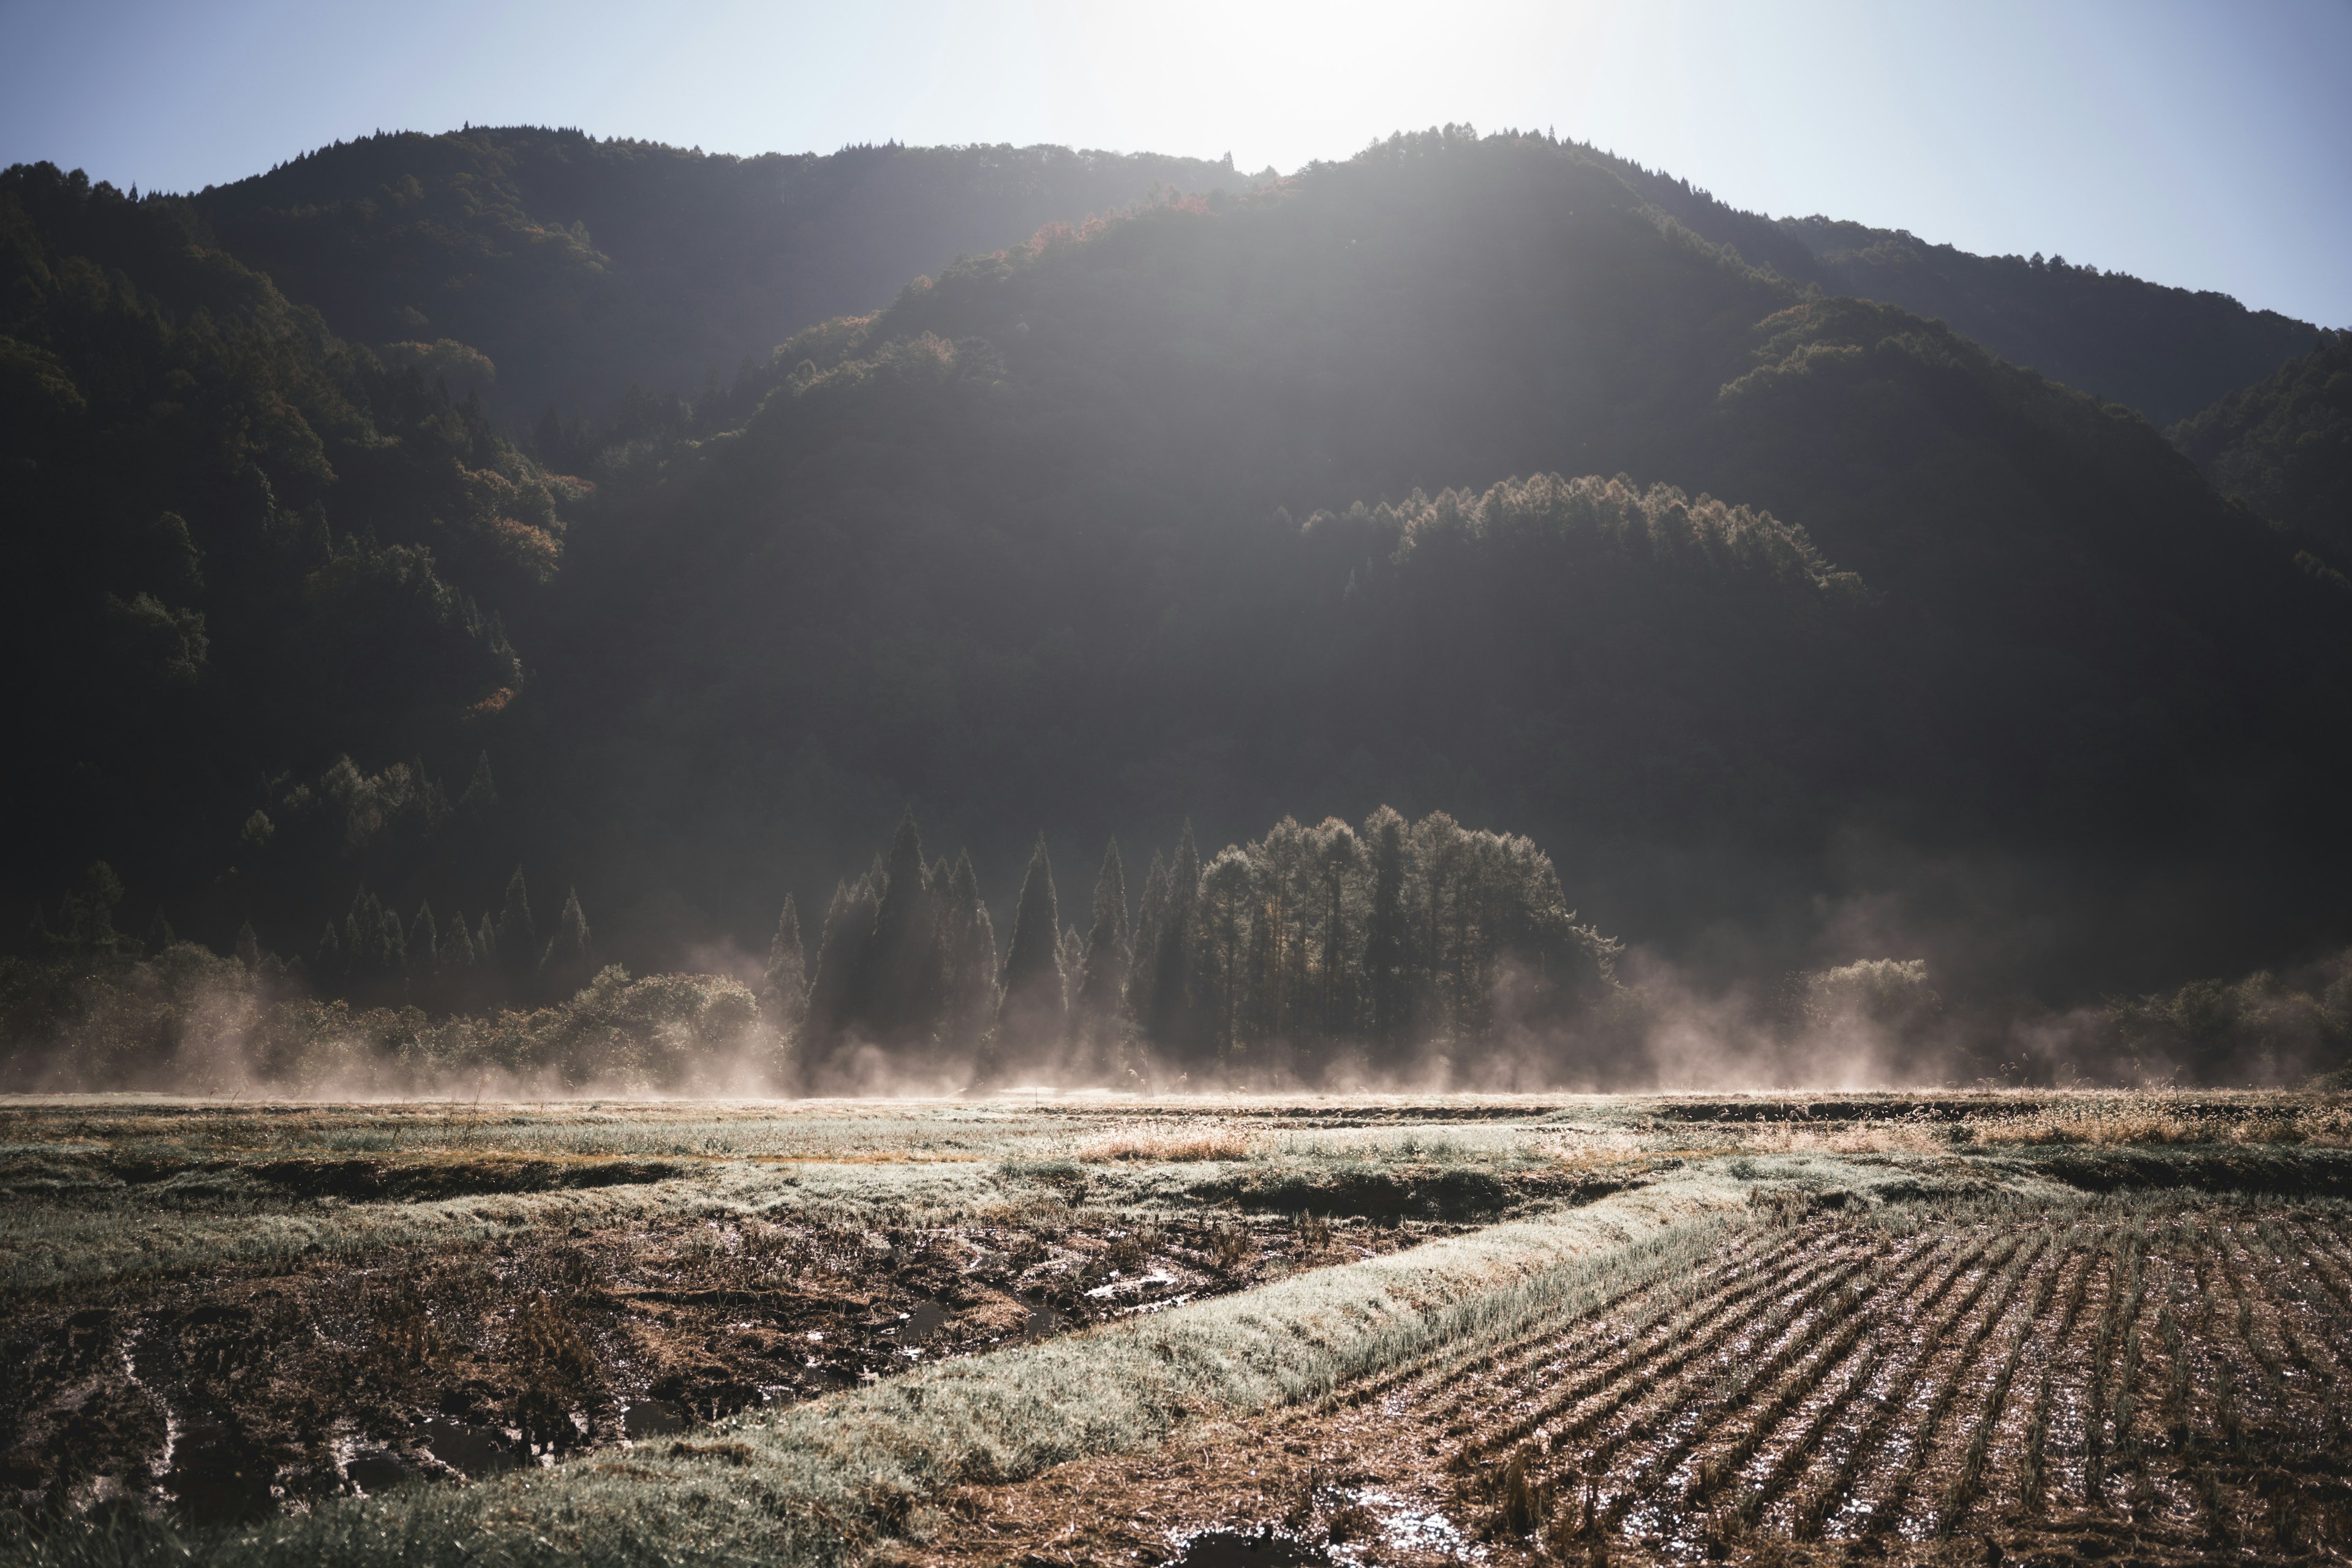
point(1312, 953)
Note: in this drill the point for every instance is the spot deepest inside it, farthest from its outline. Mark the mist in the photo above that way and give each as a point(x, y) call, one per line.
point(1393, 956)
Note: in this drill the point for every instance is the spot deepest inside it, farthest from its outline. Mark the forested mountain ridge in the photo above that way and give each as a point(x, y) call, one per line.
point(238, 546)
point(1458, 476)
point(2164, 351)
point(2284, 446)
point(1006, 546)
point(556, 269)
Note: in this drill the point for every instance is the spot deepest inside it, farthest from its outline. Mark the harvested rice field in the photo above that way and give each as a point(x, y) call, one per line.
point(1947, 1328)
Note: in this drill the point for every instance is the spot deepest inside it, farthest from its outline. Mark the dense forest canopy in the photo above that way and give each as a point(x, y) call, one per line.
point(553, 270)
point(2284, 445)
point(1488, 478)
point(2163, 350)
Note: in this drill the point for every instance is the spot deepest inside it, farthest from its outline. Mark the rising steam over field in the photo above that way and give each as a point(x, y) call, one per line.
point(1093, 1329)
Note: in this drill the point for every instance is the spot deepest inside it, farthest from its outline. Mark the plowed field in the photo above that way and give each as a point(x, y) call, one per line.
point(2159, 1385)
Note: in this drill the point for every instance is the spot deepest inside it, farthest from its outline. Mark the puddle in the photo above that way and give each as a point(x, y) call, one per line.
point(375, 1473)
point(1043, 1322)
point(472, 1451)
point(652, 1418)
point(214, 1479)
point(917, 1326)
point(1260, 1548)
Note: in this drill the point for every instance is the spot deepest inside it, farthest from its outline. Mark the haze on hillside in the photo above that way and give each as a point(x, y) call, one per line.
point(544, 611)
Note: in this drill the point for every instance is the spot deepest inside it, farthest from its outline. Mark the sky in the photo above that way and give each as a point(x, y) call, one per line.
point(2208, 146)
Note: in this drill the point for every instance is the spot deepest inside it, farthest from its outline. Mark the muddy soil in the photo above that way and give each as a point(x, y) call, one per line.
point(226, 1397)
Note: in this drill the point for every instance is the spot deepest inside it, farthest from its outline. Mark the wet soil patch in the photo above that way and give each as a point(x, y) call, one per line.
point(222, 1398)
point(2286, 1171)
point(1428, 1192)
point(445, 1178)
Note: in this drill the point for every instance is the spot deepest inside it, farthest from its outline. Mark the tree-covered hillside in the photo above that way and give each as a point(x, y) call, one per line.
point(1459, 476)
point(2166, 351)
point(2284, 446)
point(553, 270)
point(1030, 546)
point(237, 548)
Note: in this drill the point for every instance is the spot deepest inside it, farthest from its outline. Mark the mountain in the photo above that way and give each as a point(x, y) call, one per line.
point(553, 269)
point(1462, 476)
point(2284, 445)
point(2163, 350)
point(236, 546)
point(1070, 536)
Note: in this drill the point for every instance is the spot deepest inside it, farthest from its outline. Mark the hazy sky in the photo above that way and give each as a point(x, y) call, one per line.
point(2204, 145)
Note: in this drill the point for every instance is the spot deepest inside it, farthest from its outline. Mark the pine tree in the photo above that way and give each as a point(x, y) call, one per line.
point(160, 934)
point(249, 948)
point(457, 953)
point(423, 946)
point(968, 941)
point(1143, 951)
point(1388, 971)
point(1030, 1016)
point(517, 936)
point(897, 990)
point(566, 963)
point(783, 985)
point(1225, 890)
point(1102, 970)
point(1173, 1021)
point(840, 955)
point(480, 796)
point(328, 961)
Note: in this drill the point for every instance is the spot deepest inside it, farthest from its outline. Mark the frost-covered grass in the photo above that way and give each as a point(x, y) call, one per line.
point(823, 1482)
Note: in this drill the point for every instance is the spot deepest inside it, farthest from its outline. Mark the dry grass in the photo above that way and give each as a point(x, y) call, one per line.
point(2109, 1123)
point(1171, 1147)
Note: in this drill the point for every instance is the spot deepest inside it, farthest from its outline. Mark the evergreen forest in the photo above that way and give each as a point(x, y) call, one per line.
point(461, 588)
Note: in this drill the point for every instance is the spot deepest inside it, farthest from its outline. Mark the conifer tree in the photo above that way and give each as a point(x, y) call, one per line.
point(1173, 1021)
point(840, 955)
point(327, 961)
point(1102, 970)
point(1388, 973)
point(423, 946)
point(249, 948)
point(1143, 960)
point(160, 934)
point(897, 986)
point(566, 966)
point(783, 985)
point(1030, 1016)
point(518, 950)
point(1226, 890)
point(968, 943)
point(480, 796)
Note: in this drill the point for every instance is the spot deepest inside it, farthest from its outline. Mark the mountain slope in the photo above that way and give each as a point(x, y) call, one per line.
point(1458, 476)
point(581, 267)
point(1005, 549)
point(2284, 445)
point(2166, 351)
point(235, 546)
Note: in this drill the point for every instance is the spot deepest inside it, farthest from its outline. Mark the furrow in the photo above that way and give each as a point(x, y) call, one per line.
point(1958, 1494)
point(1811, 1513)
point(1790, 1463)
point(1652, 1354)
point(1787, 1330)
point(1942, 1375)
point(1709, 1473)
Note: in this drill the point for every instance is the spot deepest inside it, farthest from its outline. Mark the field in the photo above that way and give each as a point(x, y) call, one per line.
point(1955, 1327)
